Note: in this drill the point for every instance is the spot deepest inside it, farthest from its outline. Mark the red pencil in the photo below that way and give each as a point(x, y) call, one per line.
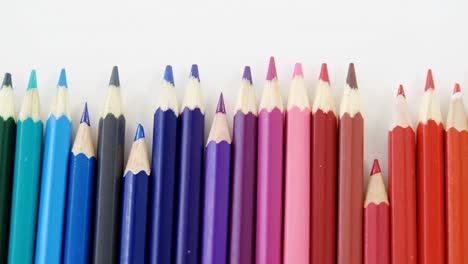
point(323, 174)
point(402, 184)
point(376, 220)
point(350, 174)
point(457, 180)
point(430, 157)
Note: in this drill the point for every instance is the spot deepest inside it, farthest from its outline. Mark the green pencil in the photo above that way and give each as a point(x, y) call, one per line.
point(7, 153)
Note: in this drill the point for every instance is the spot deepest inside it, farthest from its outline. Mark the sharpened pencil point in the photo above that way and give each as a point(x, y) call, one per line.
point(271, 74)
point(85, 115)
point(168, 75)
point(247, 74)
point(351, 79)
point(324, 73)
point(375, 167)
point(221, 108)
point(63, 79)
point(429, 81)
point(401, 91)
point(32, 81)
point(194, 72)
point(140, 133)
point(115, 79)
point(457, 88)
point(7, 80)
point(298, 70)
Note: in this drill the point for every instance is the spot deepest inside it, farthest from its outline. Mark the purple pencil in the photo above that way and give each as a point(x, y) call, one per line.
point(244, 166)
point(216, 191)
point(270, 172)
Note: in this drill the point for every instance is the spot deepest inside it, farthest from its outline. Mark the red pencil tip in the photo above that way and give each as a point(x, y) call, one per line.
point(324, 74)
point(375, 168)
point(401, 91)
point(271, 74)
point(351, 79)
point(429, 81)
point(298, 70)
point(456, 89)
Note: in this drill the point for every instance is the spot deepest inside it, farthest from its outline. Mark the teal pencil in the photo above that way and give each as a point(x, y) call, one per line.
point(26, 177)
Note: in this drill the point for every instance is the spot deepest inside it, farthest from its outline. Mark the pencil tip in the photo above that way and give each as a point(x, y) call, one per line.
point(375, 167)
point(221, 108)
point(32, 80)
point(63, 79)
point(457, 88)
point(429, 81)
point(194, 72)
point(401, 91)
point(168, 75)
point(271, 74)
point(140, 133)
point(115, 79)
point(247, 74)
point(324, 73)
point(85, 115)
point(298, 70)
point(351, 79)
point(7, 80)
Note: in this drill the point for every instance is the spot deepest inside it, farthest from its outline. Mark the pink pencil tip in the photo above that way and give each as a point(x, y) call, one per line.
point(401, 91)
point(298, 70)
point(324, 73)
point(429, 81)
point(271, 70)
point(456, 89)
point(375, 168)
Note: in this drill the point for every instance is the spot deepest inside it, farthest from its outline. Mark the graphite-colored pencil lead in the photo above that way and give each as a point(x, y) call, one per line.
point(7, 80)
point(139, 133)
point(401, 91)
point(115, 79)
point(85, 115)
point(194, 72)
point(32, 81)
point(324, 73)
point(220, 108)
point(456, 89)
point(351, 79)
point(63, 79)
point(375, 167)
point(298, 70)
point(271, 74)
point(247, 74)
point(429, 81)
point(168, 75)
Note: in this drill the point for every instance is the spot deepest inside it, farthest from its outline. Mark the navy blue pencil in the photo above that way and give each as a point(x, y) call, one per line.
point(163, 173)
point(135, 202)
point(188, 185)
point(80, 195)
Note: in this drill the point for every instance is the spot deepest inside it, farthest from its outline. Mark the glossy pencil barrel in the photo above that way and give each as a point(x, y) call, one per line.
point(161, 187)
point(376, 233)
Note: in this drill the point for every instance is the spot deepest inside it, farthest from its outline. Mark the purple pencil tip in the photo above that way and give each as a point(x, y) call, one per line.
point(221, 108)
point(85, 115)
point(271, 70)
point(194, 72)
point(247, 74)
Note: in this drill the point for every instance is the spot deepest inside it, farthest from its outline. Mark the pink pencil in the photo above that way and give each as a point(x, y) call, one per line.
point(297, 179)
point(270, 172)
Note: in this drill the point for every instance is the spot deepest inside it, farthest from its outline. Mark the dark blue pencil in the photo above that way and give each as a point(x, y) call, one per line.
point(188, 185)
point(163, 172)
point(135, 202)
point(80, 195)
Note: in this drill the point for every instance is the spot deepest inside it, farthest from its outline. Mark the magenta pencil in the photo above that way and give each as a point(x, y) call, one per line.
point(297, 174)
point(270, 172)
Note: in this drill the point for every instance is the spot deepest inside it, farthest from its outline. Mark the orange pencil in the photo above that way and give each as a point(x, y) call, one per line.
point(430, 180)
point(456, 148)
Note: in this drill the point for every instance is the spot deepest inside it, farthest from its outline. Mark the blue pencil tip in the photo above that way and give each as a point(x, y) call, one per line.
point(168, 75)
point(32, 80)
point(115, 79)
point(140, 133)
point(7, 80)
point(63, 79)
point(221, 108)
point(194, 72)
point(247, 74)
point(85, 115)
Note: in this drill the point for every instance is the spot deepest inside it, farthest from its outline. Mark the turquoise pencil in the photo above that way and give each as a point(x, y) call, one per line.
point(54, 178)
point(26, 177)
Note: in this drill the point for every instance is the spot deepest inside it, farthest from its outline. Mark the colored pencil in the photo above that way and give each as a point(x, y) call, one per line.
point(402, 183)
point(350, 174)
point(135, 202)
point(163, 173)
point(26, 177)
point(323, 174)
point(110, 151)
point(430, 179)
point(376, 220)
point(244, 175)
point(215, 228)
point(54, 178)
point(456, 147)
point(270, 172)
point(80, 195)
point(7, 154)
point(296, 244)
point(189, 176)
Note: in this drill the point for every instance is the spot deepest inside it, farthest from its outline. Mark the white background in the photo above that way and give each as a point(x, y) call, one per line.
point(391, 43)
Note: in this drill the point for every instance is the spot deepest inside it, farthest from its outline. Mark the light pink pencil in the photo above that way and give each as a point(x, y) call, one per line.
point(297, 179)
